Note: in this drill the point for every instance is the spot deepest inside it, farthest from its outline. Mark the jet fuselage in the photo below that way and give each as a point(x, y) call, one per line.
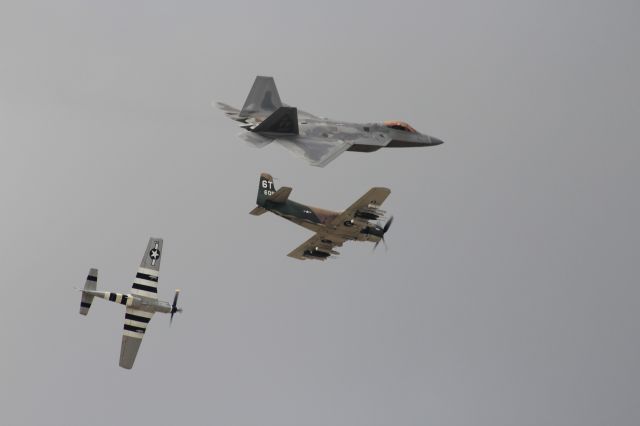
point(368, 137)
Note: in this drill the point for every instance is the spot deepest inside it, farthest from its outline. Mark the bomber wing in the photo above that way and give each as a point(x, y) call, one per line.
point(320, 246)
point(346, 226)
point(356, 213)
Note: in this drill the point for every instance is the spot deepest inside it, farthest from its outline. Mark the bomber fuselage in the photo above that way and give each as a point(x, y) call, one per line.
point(316, 219)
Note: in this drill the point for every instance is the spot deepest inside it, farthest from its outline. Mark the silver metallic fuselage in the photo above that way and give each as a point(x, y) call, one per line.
point(134, 301)
point(365, 137)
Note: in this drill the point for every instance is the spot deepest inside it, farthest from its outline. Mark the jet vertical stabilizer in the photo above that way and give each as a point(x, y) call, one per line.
point(263, 98)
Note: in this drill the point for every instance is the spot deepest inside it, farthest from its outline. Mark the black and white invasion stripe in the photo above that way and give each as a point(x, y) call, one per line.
point(135, 322)
point(146, 283)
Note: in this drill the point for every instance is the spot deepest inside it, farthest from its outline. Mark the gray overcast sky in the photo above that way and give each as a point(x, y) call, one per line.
point(509, 295)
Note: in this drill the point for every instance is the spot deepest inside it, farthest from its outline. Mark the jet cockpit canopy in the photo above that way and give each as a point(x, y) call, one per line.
point(400, 125)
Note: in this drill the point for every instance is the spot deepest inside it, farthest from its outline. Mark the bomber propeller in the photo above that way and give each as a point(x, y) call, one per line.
point(384, 231)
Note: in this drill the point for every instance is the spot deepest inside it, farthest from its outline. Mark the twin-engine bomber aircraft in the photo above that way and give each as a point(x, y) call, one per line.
point(317, 140)
point(332, 228)
point(141, 304)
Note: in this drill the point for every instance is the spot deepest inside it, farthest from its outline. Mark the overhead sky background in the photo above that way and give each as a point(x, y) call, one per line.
point(509, 294)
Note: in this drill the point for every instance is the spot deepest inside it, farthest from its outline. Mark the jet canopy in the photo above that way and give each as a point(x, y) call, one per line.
point(400, 125)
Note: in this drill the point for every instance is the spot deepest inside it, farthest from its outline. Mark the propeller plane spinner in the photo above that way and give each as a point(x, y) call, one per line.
point(140, 304)
point(331, 229)
point(318, 140)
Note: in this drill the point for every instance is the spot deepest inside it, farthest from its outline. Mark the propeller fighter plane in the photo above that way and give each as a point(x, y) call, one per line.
point(331, 229)
point(318, 140)
point(140, 304)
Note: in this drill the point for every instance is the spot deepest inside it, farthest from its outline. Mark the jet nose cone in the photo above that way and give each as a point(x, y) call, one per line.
point(435, 141)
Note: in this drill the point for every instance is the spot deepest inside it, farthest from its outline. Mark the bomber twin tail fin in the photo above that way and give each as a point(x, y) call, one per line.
point(90, 284)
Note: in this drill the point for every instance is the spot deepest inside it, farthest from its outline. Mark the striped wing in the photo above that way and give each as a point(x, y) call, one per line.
point(135, 325)
point(146, 281)
point(144, 285)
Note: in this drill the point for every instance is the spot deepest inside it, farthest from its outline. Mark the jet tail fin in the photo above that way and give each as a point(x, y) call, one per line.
point(263, 98)
point(90, 284)
point(283, 121)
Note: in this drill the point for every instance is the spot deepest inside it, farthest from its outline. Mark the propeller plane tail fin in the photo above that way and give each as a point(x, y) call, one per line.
point(90, 284)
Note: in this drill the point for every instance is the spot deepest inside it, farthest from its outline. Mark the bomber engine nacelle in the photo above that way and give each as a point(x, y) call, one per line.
point(317, 253)
point(371, 212)
point(376, 230)
point(366, 215)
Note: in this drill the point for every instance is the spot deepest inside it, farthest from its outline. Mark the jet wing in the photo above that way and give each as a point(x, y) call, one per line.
point(320, 246)
point(304, 114)
point(228, 109)
point(231, 112)
point(135, 325)
point(318, 152)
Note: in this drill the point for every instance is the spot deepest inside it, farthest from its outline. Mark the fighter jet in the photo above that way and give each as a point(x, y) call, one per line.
point(332, 229)
point(140, 304)
point(318, 140)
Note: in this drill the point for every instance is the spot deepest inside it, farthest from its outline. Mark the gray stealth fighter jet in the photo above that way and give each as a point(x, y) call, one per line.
point(317, 140)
